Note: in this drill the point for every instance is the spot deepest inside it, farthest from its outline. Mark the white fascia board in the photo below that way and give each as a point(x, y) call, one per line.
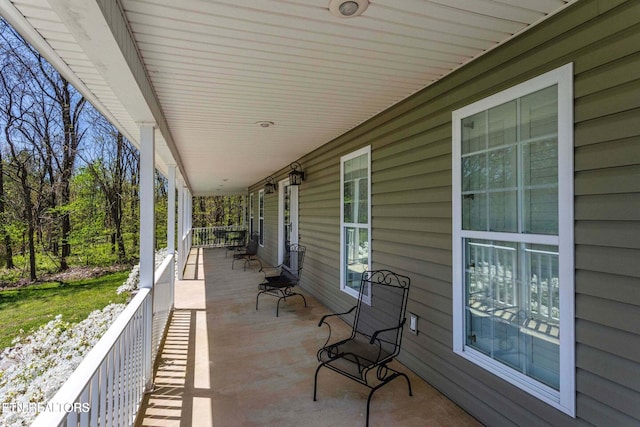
point(26, 30)
point(85, 21)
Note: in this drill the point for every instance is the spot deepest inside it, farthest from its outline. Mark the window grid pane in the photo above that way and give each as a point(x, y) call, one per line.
point(355, 189)
point(506, 149)
point(512, 305)
point(356, 252)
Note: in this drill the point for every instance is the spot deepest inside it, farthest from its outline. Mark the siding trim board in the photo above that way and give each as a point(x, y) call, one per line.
point(411, 184)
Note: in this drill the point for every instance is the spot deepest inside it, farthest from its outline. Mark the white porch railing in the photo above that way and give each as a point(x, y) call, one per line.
point(184, 247)
point(232, 235)
point(108, 386)
point(162, 302)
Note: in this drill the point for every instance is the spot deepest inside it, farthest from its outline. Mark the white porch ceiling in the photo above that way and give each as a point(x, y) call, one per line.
point(215, 68)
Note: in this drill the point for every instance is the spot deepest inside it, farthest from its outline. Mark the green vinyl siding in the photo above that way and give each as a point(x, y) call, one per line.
point(411, 213)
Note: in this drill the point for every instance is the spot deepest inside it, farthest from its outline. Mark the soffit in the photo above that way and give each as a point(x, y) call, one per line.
point(217, 67)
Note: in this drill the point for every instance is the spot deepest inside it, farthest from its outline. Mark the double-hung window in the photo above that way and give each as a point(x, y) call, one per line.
point(513, 290)
point(355, 219)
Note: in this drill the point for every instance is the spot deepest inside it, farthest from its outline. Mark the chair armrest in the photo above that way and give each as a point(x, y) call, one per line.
point(335, 314)
point(375, 334)
point(322, 320)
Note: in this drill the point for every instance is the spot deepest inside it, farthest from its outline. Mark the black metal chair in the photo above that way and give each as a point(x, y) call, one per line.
point(220, 237)
point(248, 254)
point(236, 241)
point(375, 336)
point(279, 281)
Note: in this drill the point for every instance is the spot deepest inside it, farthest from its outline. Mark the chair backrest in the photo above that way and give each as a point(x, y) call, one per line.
point(240, 237)
point(252, 246)
point(296, 262)
point(387, 293)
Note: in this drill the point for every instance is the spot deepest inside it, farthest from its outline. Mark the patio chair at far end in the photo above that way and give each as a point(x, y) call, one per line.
point(376, 334)
point(248, 254)
point(236, 241)
point(279, 281)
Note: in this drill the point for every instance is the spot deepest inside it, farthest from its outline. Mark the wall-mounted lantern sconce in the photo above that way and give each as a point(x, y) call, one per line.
point(270, 186)
point(296, 176)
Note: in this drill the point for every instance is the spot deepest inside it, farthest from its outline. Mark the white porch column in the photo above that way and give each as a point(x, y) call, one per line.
point(147, 243)
point(171, 228)
point(171, 214)
point(188, 218)
point(181, 246)
point(147, 203)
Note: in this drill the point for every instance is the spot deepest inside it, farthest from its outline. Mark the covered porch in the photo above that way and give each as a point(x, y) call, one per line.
point(229, 97)
point(225, 363)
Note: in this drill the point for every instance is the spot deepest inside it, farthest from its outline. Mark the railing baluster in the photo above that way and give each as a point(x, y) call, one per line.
point(127, 375)
point(117, 398)
point(72, 419)
point(84, 415)
point(123, 380)
point(94, 407)
point(110, 390)
point(539, 271)
point(101, 397)
point(549, 288)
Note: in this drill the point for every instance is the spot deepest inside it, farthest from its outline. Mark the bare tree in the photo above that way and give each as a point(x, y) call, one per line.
point(57, 112)
point(15, 105)
point(7, 125)
point(70, 106)
point(110, 168)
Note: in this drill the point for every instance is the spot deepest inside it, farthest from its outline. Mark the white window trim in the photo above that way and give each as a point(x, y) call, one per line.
point(281, 186)
point(261, 218)
point(365, 150)
point(251, 214)
point(564, 399)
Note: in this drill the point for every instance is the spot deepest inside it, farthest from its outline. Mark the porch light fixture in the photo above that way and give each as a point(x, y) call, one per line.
point(296, 176)
point(347, 8)
point(271, 186)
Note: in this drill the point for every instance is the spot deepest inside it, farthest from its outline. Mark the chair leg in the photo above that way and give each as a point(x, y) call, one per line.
point(369, 404)
point(395, 375)
point(255, 259)
point(408, 382)
point(284, 297)
point(315, 381)
point(258, 296)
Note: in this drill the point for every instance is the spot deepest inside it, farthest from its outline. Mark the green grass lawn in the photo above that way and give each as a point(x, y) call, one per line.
point(29, 307)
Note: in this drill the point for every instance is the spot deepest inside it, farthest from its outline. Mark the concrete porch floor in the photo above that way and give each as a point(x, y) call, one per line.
point(224, 363)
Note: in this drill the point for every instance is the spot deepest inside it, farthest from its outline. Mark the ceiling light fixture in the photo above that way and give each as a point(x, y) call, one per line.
point(347, 8)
